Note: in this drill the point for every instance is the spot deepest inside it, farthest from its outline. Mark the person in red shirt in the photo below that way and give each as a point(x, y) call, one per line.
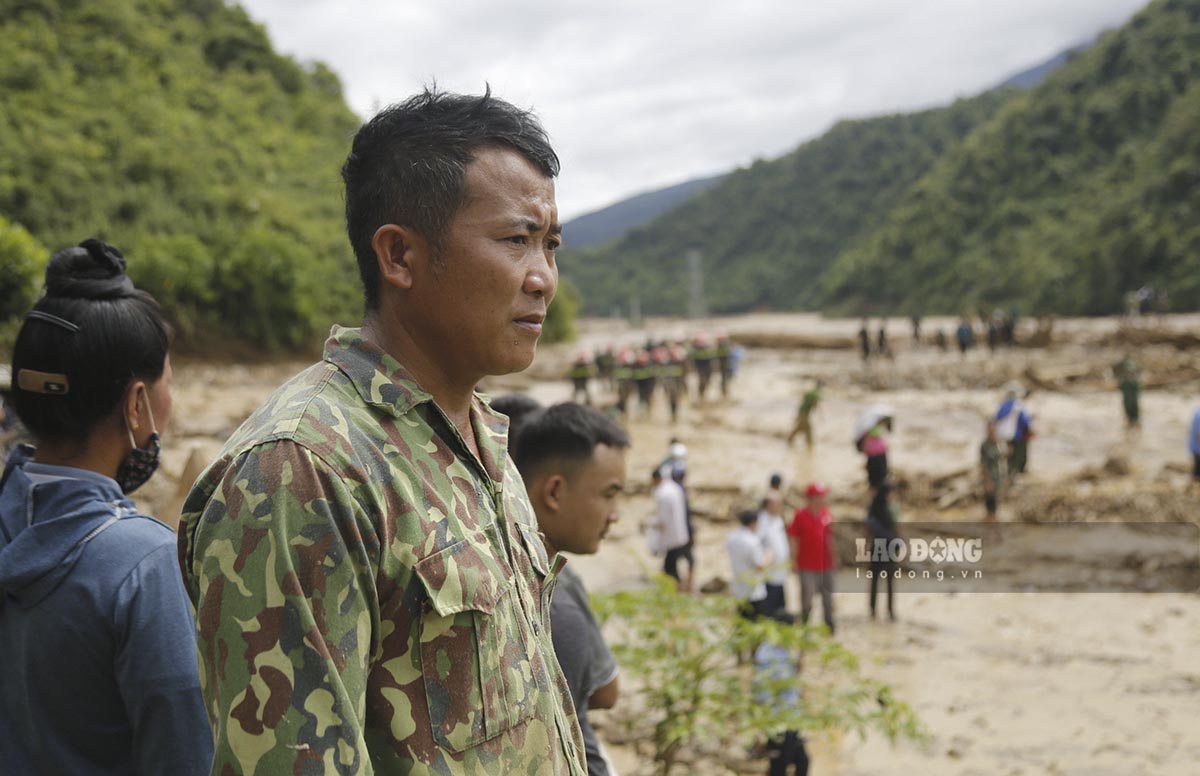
point(811, 539)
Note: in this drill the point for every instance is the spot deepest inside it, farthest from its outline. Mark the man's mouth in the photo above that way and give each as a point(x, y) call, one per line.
point(532, 323)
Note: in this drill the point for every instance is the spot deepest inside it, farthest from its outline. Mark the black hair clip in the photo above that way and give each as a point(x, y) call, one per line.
point(62, 323)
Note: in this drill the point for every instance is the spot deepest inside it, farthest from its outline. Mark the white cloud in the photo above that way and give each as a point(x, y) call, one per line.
point(638, 94)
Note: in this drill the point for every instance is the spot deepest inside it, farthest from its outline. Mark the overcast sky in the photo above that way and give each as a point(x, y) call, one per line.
point(639, 94)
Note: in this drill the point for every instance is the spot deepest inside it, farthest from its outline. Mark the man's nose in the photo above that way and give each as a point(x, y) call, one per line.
point(542, 279)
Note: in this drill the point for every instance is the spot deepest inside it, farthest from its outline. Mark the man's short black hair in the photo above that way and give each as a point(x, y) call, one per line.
point(518, 407)
point(407, 166)
point(565, 433)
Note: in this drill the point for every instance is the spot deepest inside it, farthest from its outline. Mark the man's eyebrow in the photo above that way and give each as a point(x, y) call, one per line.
point(530, 226)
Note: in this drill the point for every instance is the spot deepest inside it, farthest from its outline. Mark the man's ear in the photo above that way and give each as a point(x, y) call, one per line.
point(552, 490)
point(400, 252)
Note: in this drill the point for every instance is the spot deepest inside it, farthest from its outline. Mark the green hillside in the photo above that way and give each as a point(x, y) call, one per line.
point(767, 233)
point(1059, 199)
point(172, 129)
point(1076, 193)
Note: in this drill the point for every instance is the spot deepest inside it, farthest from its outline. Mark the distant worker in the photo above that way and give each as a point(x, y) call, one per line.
point(940, 339)
point(811, 535)
point(864, 340)
point(748, 563)
point(776, 672)
point(1129, 381)
point(916, 330)
point(871, 441)
point(606, 362)
point(725, 363)
point(580, 373)
point(772, 532)
point(964, 336)
point(881, 530)
point(883, 347)
point(704, 354)
point(1194, 446)
point(991, 463)
point(668, 528)
point(644, 377)
point(808, 405)
point(671, 373)
point(1014, 427)
point(623, 375)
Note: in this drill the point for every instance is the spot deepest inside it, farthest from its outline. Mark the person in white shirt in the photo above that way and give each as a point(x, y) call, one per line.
point(668, 529)
point(772, 532)
point(748, 561)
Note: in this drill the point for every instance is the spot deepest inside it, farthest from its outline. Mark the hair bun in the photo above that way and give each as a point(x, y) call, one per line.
point(93, 270)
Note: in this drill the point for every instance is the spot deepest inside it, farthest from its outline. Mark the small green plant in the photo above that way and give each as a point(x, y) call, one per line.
point(682, 653)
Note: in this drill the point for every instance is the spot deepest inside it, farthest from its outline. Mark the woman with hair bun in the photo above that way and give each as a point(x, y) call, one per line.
point(98, 668)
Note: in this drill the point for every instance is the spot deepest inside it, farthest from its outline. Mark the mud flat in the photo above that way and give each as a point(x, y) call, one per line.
point(1008, 683)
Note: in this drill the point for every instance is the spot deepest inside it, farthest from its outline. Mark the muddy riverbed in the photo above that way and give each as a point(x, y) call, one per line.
point(1008, 683)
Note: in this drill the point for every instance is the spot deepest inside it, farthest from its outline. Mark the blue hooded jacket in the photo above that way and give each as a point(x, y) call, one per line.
point(98, 667)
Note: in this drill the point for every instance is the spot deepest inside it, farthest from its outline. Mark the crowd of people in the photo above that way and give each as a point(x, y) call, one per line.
point(656, 366)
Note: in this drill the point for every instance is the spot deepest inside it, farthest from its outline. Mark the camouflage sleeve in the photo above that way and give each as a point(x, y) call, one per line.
point(281, 564)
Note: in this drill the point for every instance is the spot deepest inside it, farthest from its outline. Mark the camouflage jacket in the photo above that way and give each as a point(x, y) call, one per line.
point(371, 597)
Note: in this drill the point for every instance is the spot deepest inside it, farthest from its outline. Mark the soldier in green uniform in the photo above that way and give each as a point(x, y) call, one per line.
point(803, 424)
point(623, 374)
point(704, 353)
point(1129, 380)
point(371, 590)
point(580, 372)
point(671, 360)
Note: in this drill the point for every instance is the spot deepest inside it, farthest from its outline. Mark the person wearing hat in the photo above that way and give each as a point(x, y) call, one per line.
point(811, 537)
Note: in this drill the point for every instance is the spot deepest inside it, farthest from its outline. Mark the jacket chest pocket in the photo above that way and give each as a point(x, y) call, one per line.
point(475, 646)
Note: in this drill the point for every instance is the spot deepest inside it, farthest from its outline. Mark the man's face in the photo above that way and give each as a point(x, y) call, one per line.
point(486, 297)
point(588, 505)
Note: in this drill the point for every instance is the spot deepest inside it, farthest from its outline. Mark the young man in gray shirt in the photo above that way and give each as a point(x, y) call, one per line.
point(572, 459)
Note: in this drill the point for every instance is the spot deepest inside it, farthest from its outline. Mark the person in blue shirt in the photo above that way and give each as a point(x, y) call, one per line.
point(777, 685)
point(1194, 446)
point(98, 666)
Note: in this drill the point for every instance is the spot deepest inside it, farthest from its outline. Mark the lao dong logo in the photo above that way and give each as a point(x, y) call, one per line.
point(937, 550)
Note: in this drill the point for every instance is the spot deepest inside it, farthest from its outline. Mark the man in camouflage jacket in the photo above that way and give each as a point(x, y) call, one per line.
point(371, 590)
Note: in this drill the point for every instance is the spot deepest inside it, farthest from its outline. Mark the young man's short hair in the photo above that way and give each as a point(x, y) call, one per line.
point(565, 433)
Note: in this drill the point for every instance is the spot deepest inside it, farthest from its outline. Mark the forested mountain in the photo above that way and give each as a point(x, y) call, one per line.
point(767, 233)
point(611, 222)
point(172, 129)
point(1075, 193)
point(1058, 199)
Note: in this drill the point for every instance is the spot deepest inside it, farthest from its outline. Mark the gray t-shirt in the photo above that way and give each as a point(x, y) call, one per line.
point(585, 659)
